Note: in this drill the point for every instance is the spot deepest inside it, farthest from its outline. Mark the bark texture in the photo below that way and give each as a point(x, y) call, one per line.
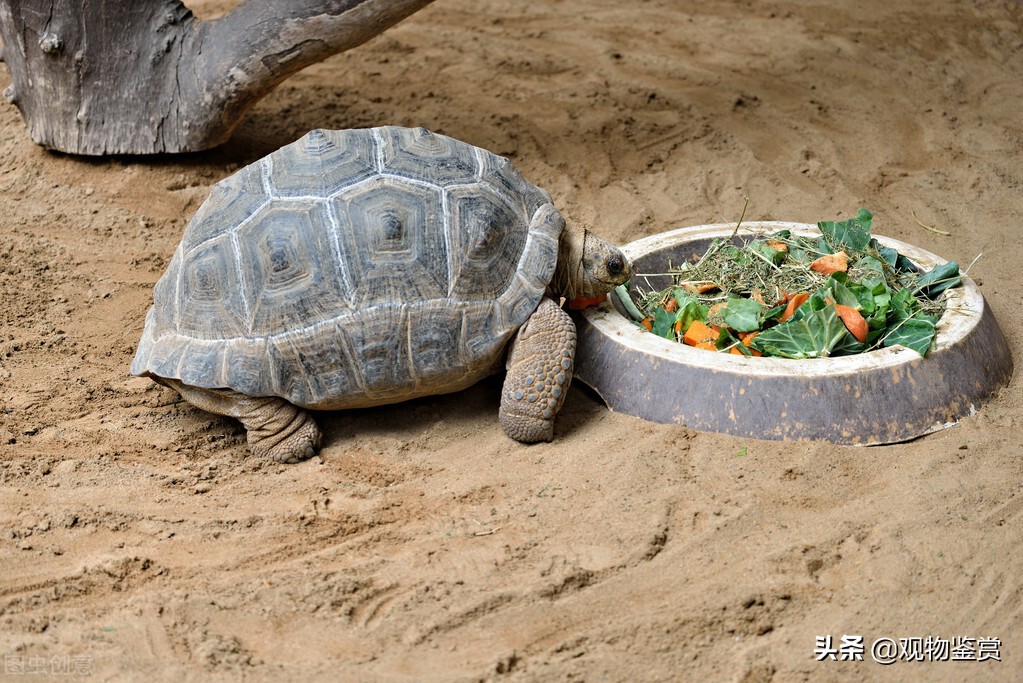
point(145, 76)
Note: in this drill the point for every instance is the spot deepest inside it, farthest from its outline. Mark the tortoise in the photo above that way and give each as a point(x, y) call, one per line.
point(363, 267)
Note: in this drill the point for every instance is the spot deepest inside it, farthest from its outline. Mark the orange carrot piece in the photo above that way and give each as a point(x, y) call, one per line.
point(746, 338)
point(701, 288)
point(581, 302)
point(648, 323)
point(831, 263)
point(854, 322)
point(671, 305)
point(700, 335)
point(795, 301)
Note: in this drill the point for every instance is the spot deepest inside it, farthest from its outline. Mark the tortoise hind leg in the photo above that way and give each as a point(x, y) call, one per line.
point(274, 428)
point(539, 371)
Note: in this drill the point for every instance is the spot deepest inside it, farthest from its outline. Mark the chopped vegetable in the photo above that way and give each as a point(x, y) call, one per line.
point(701, 335)
point(791, 296)
point(853, 321)
point(794, 302)
point(699, 288)
point(746, 340)
point(831, 263)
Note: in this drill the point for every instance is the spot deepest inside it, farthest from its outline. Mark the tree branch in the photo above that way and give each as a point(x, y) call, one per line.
point(144, 76)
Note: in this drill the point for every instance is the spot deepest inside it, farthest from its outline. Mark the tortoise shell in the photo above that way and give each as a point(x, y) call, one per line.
point(353, 268)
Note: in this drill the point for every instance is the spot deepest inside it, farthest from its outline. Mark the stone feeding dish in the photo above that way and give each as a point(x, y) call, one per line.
point(884, 396)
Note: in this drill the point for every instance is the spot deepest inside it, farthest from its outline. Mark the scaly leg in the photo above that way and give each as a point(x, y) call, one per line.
point(274, 428)
point(539, 371)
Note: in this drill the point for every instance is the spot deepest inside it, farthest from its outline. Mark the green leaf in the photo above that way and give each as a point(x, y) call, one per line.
point(812, 336)
point(816, 302)
point(774, 312)
point(848, 345)
point(887, 254)
point(914, 333)
point(904, 265)
point(735, 253)
point(872, 295)
point(869, 266)
point(770, 253)
point(938, 279)
point(622, 292)
point(743, 315)
point(664, 324)
point(689, 309)
point(841, 293)
point(798, 253)
point(853, 233)
point(904, 305)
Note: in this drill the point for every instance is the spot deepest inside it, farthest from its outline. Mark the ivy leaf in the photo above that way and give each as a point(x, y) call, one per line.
point(812, 336)
point(743, 315)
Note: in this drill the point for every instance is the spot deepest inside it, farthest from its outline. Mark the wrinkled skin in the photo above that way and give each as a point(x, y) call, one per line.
point(542, 356)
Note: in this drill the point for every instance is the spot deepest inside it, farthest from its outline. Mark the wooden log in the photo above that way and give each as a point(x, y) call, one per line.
point(101, 77)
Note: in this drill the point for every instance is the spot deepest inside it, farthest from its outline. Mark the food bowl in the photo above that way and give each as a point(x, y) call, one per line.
point(884, 396)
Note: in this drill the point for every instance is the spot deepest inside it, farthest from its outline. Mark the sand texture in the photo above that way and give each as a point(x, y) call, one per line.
point(140, 541)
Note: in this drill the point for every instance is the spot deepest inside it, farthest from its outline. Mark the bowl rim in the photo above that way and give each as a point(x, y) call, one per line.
point(964, 308)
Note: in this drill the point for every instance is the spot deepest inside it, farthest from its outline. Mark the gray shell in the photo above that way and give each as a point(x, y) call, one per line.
point(353, 268)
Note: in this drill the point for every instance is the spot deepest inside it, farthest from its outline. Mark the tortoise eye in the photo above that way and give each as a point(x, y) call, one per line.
point(615, 265)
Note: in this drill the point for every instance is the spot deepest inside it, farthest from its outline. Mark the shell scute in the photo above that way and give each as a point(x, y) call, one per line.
point(314, 367)
point(290, 272)
point(379, 335)
point(420, 155)
point(392, 241)
point(207, 288)
point(354, 268)
point(225, 207)
point(320, 164)
point(487, 240)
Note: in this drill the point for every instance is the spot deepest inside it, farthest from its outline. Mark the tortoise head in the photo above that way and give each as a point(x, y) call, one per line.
point(587, 265)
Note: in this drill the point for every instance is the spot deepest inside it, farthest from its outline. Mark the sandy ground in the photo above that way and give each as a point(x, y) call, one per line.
point(139, 541)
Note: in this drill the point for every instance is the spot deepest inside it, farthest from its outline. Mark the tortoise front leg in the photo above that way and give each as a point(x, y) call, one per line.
point(539, 371)
point(274, 428)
